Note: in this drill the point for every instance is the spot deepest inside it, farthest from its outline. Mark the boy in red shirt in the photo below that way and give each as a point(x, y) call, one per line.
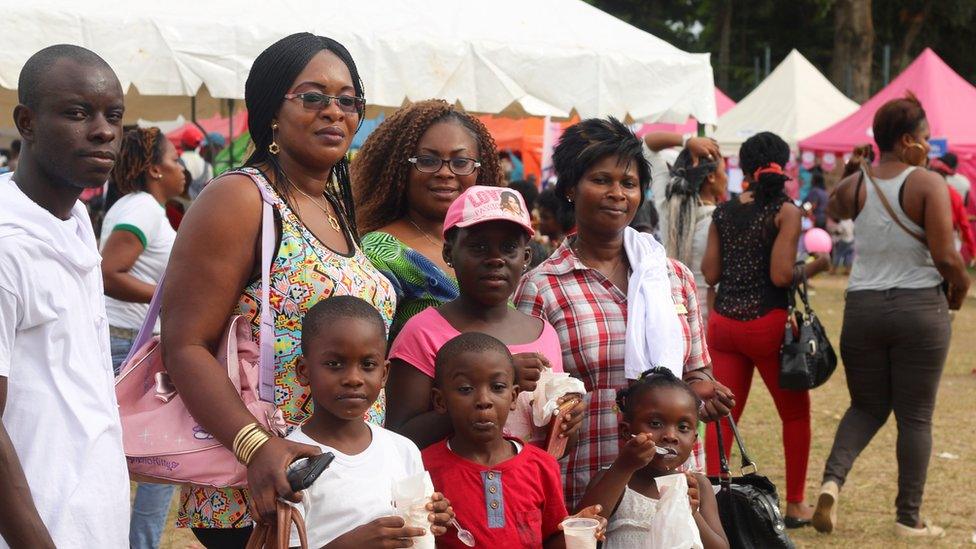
point(507, 493)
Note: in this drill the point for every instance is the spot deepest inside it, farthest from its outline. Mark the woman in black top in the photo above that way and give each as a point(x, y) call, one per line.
point(752, 246)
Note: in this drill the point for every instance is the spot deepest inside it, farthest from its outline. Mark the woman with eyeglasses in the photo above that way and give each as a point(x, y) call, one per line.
point(409, 171)
point(305, 102)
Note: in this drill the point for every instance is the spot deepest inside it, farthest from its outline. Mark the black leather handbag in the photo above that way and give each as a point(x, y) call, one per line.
point(748, 504)
point(807, 359)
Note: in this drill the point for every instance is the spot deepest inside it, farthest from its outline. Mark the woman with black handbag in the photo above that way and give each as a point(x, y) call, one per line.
point(896, 321)
point(752, 245)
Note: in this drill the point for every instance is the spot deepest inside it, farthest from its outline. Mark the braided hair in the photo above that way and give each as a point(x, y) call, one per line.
point(763, 150)
point(683, 195)
point(270, 78)
point(380, 171)
point(141, 149)
point(589, 141)
point(651, 379)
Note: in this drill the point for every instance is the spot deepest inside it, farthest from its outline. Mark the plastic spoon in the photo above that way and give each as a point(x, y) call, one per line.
point(660, 450)
point(465, 536)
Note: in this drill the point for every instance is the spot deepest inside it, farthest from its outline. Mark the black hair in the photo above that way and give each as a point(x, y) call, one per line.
point(528, 191)
point(949, 159)
point(817, 179)
point(760, 151)
point(896, 118)
point(272, 74)
point(15, 147)
point(560, 209)
point(468, 342)
point(30, 84)
point(682, 204)
point(329, 312)
point(589, 141)
point(651, 379)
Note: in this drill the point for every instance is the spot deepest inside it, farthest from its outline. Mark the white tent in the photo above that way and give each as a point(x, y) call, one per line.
point(542, 57)
point(795, 101)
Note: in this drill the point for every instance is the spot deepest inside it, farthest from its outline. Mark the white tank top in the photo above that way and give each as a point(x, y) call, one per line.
point(886, 256)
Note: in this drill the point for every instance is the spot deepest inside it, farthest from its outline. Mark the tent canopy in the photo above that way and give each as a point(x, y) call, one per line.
point(490, 57)
point(946, 97)
point(722, 105)
point(794, 102)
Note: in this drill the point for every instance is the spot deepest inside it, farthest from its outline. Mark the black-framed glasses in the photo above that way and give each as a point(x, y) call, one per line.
point(316, 101)
point(432, 164)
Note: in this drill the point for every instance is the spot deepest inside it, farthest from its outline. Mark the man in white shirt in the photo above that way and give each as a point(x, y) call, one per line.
point(63, 478)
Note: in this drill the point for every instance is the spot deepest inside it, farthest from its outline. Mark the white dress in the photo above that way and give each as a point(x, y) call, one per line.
point(630, 525)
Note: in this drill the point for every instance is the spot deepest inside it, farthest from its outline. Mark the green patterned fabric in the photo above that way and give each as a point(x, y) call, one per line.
point(418, 282)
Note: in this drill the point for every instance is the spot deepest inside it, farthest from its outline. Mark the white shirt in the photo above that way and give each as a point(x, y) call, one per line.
point(61, 413)
point(959, 182)
point(140, 214)
point(355, 490)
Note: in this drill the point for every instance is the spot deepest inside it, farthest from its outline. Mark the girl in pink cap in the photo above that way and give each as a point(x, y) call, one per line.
point(486, 236)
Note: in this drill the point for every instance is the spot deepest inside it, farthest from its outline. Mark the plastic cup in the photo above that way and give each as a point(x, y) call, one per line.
point(580, 533)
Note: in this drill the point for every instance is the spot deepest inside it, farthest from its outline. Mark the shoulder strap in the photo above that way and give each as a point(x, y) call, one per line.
point(891, 212)
point(266, 369)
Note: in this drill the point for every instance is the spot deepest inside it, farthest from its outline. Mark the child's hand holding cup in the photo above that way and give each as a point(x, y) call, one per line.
point(585, 528)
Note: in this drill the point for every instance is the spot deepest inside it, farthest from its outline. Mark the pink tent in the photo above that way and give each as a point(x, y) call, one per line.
point(722, 104)
point(947, 98)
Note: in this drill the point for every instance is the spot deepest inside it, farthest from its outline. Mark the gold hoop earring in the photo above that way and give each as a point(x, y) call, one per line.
point(273, 148)
point(910, 158)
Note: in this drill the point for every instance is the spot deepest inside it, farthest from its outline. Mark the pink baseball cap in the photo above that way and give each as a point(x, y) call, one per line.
point(479, 204)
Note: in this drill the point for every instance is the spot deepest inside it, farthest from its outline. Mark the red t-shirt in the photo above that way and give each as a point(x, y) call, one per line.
point(516, 503)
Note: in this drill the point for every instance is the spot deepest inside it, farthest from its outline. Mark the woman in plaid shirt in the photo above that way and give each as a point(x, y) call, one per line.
point(582, 289)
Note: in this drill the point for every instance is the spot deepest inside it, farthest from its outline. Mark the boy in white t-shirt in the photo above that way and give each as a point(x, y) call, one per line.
point(344, 362)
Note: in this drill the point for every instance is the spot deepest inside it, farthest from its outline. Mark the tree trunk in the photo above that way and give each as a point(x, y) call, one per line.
point(850, 68)
point(723, 18)
point(914, 22)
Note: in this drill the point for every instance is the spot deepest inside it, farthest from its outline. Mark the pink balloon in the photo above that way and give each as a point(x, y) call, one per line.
point(817, 240)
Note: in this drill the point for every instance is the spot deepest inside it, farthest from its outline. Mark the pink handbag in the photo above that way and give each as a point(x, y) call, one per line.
point(162, 442)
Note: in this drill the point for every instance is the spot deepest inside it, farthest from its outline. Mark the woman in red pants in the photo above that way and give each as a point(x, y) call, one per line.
point(750, 255)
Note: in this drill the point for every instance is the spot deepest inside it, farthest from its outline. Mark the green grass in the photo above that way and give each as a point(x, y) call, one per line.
point(866, 510)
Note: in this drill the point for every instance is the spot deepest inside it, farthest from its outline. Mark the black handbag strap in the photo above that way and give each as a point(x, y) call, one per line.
point(749, 466)
point(799, 287)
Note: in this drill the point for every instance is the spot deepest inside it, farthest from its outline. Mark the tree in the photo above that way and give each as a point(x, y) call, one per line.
point(850, 67)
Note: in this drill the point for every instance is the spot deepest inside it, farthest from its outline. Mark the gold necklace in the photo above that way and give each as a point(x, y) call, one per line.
point(576, 248)
point(424, 233)
point(333, 222)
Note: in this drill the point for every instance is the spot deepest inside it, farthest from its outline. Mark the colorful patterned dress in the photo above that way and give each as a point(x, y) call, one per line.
point(418, 282)
point(303, 273)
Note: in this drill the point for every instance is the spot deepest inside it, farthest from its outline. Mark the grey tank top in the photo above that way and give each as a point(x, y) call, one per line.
point(886, 256)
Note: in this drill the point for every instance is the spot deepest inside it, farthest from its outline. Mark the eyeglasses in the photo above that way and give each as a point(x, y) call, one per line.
point(432, 164)
point(315, 101)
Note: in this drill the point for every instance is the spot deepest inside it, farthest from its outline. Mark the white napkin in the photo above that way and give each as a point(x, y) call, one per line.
point(410, 497)
point(549, 389)
point(673, 527)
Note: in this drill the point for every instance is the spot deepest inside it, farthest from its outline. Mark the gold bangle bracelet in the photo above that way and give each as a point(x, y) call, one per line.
point(256, 448)
point(250, 441)
point(240, 435)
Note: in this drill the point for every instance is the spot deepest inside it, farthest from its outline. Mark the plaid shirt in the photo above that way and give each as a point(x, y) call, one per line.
point(590, 315)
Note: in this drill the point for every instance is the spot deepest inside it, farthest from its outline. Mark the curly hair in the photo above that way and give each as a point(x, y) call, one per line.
point(380, 170)
point(141, 149)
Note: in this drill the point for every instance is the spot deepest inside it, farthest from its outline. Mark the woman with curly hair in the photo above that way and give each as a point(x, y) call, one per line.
point(404, 178)
point(136, 241)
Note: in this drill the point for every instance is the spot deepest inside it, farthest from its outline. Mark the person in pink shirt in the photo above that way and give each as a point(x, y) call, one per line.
point(486, 233)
